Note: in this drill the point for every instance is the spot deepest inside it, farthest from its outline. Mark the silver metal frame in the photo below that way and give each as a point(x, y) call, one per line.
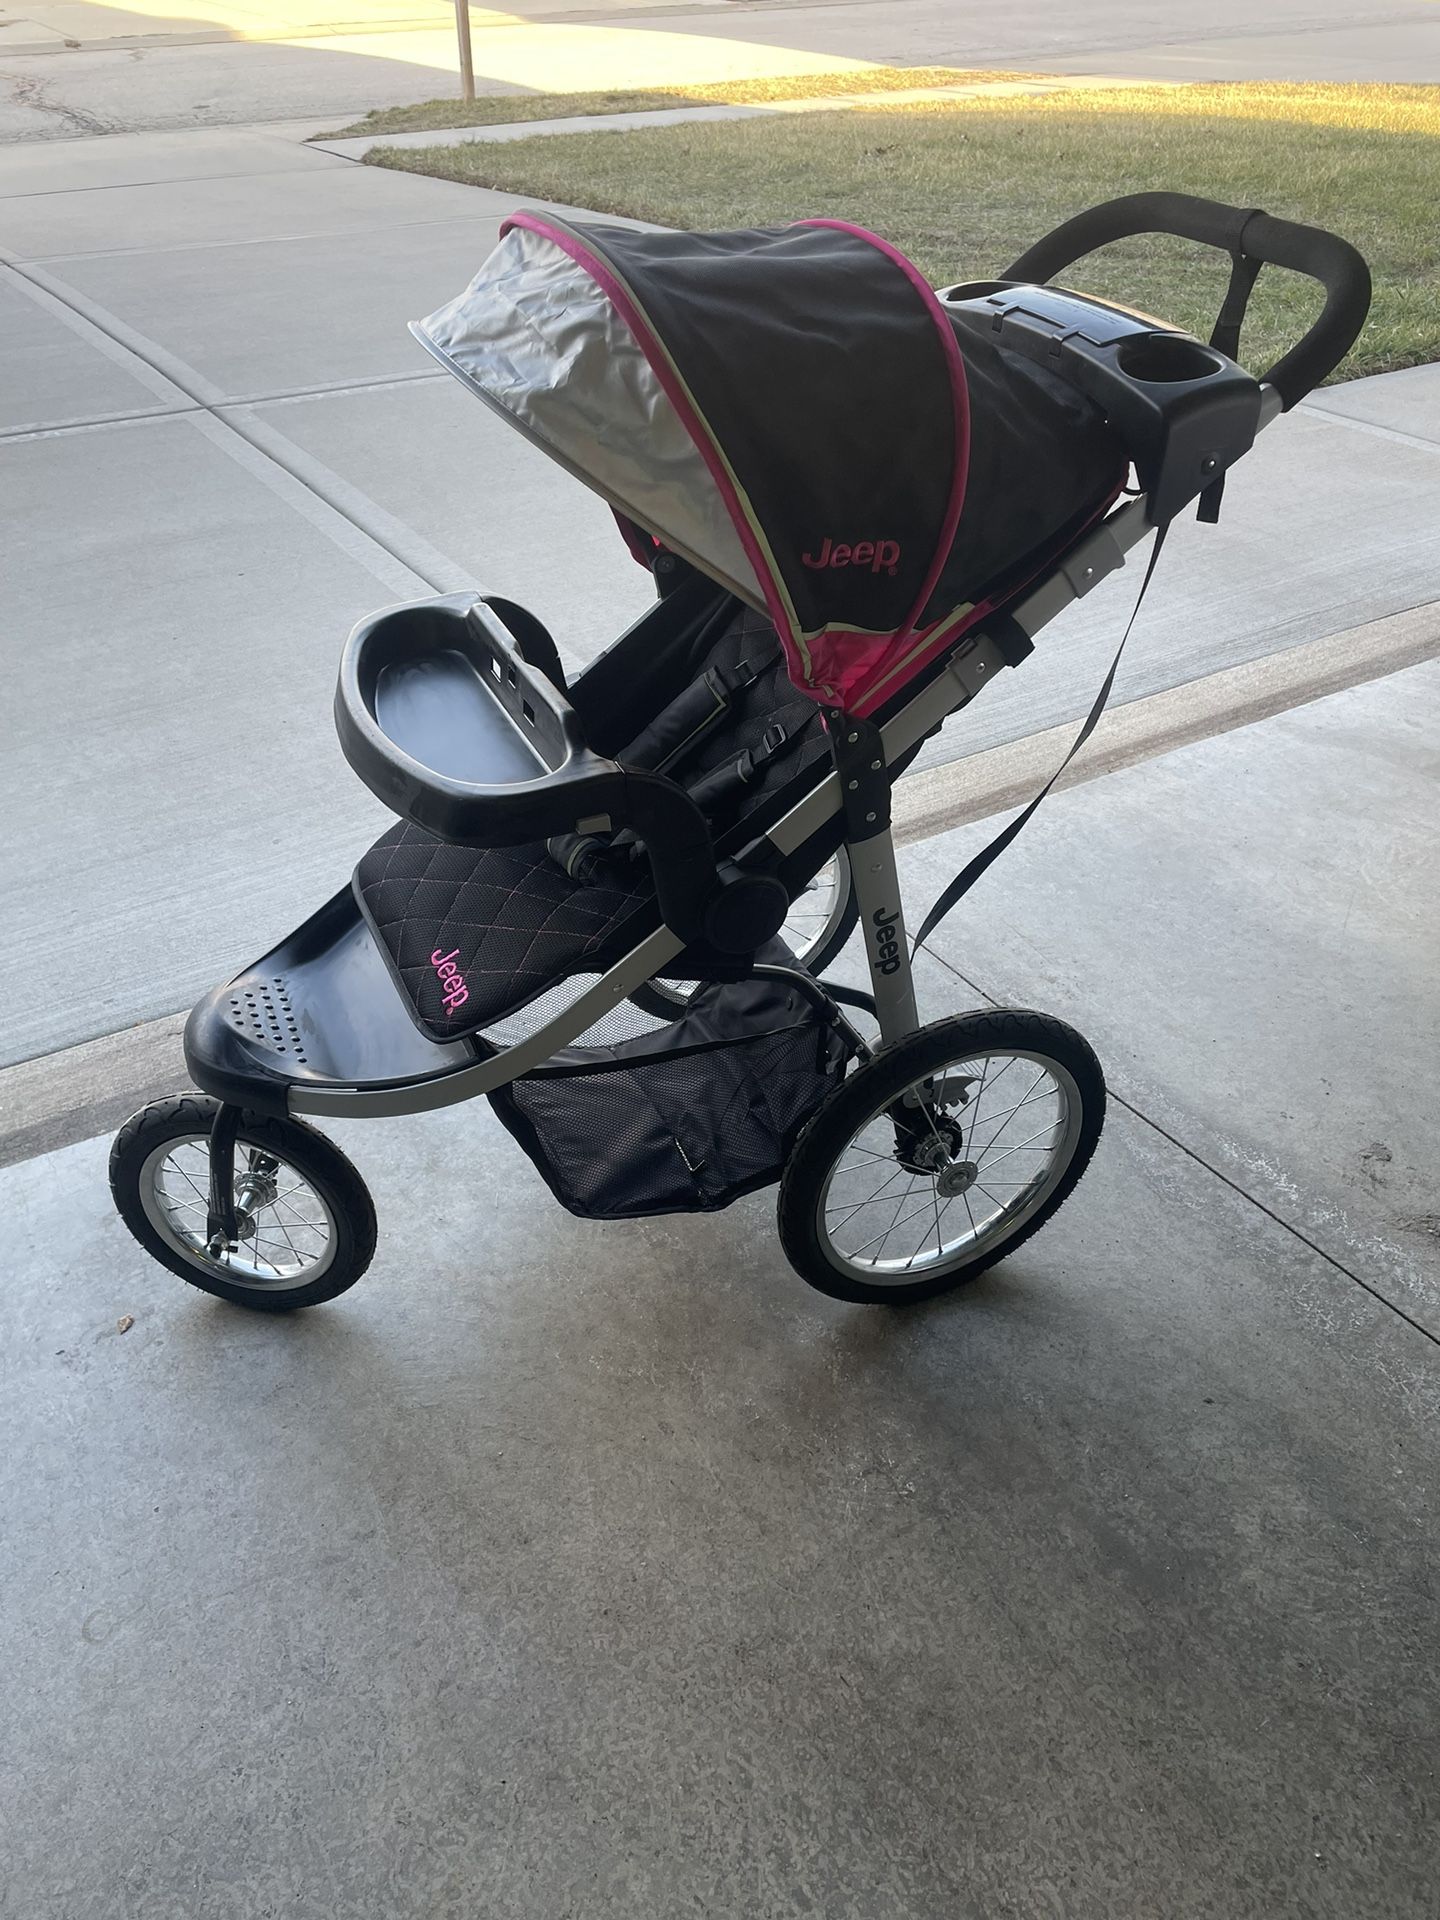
point(976, 662)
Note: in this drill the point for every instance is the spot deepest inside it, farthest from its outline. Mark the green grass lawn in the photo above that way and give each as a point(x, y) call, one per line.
point(504, 109)
point(964, 186)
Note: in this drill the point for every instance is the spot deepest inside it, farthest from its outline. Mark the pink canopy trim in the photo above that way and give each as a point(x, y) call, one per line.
point(834, 666)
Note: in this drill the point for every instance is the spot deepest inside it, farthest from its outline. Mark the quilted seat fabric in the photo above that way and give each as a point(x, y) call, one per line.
point(512, 920)
point(509, 919)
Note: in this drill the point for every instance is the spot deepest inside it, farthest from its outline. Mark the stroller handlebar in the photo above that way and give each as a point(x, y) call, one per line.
point(1241, 232)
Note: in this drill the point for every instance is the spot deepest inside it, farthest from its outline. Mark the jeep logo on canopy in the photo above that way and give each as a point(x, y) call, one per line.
point(878, 555)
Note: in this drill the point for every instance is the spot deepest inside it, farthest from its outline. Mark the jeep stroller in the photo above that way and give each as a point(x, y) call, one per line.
point(607, 905)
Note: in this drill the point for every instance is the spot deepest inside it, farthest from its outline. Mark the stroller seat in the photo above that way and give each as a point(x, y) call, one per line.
point(474, 933)
point(508, 920)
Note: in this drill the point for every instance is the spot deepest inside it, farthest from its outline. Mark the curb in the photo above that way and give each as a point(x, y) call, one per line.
point(959, 792)
point(356, 146)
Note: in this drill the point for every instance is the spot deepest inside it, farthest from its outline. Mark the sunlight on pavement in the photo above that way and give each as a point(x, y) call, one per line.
point(575, 59)
point(510, 50)
point(92, 20)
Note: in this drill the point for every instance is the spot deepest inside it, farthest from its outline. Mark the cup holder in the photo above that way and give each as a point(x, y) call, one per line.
point(444, 719)
point(1163, 359)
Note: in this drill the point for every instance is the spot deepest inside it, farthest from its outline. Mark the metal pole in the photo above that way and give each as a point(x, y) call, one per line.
point(467, 61)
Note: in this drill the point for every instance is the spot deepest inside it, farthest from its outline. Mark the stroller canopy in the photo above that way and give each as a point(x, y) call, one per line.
point(790, 410)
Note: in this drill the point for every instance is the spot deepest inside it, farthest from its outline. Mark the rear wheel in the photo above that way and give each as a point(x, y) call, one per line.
point(821, 919)
point(306, 1224)
point(940, 1156)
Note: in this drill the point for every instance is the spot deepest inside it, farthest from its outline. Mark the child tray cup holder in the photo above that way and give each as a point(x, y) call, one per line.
point(446, 720)
point(448, 723)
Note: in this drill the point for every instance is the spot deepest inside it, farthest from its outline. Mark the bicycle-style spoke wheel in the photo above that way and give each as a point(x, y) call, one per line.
point(305, 1226)
point(940, 1155)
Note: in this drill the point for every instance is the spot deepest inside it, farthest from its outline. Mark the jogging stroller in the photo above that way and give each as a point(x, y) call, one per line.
point(607, 904)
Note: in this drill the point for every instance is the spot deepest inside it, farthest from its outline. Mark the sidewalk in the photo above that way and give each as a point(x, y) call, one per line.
point(226, 448)
point(612, 1571)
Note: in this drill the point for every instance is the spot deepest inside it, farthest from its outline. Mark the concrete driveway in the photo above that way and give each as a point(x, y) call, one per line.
point(224, 448)
point(608, 1572)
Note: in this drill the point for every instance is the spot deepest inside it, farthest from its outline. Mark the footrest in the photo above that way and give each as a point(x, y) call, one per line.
point(322, 1008)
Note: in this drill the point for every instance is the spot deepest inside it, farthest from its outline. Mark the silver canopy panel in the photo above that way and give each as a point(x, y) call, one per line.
point(538, 338)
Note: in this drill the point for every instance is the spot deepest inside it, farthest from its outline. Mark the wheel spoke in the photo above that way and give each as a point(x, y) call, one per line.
point(1002, 1204)
point(868, 1201)
point(1010, 1112)
point(908, 1189)
point(1020, 1147)
point(939, 1243)
point(290, 1230)
point(192, 1184)
point(288, 1241)
point(300, 1220)
point(894, 1227)
point(1010, 1061)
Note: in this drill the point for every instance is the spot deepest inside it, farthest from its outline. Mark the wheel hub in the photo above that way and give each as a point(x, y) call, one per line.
point(256, 1188)
point(931, 1152)
point(958, 1177)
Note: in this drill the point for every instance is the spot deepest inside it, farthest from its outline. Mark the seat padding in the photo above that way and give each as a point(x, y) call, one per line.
point(472, 933)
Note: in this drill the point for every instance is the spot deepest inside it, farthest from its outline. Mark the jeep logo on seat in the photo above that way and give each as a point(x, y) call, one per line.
point(887, 947)
point(453, 990)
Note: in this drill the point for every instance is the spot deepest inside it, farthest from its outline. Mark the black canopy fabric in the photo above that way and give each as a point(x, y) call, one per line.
point(790, 409)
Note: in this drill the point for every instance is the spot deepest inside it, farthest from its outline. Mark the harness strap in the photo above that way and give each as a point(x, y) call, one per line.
point(670, 739)
point(714, 790)
point(680, 726)
point(972, 870)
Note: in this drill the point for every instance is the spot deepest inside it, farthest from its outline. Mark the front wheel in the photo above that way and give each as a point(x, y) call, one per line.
point(305, 1218)
point(940, 1156)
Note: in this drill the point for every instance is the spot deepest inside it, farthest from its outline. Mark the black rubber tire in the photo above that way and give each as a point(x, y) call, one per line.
point(308, 1152)
point(886, 1077)
point(666, 1002)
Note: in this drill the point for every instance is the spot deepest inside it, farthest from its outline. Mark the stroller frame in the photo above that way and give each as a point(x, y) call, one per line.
point(976, 661)
point(1181, 411)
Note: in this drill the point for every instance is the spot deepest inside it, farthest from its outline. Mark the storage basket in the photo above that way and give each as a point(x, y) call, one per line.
point(684, 1118)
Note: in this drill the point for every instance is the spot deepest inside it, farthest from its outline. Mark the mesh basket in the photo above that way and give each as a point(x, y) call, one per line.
point(684, 1118)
